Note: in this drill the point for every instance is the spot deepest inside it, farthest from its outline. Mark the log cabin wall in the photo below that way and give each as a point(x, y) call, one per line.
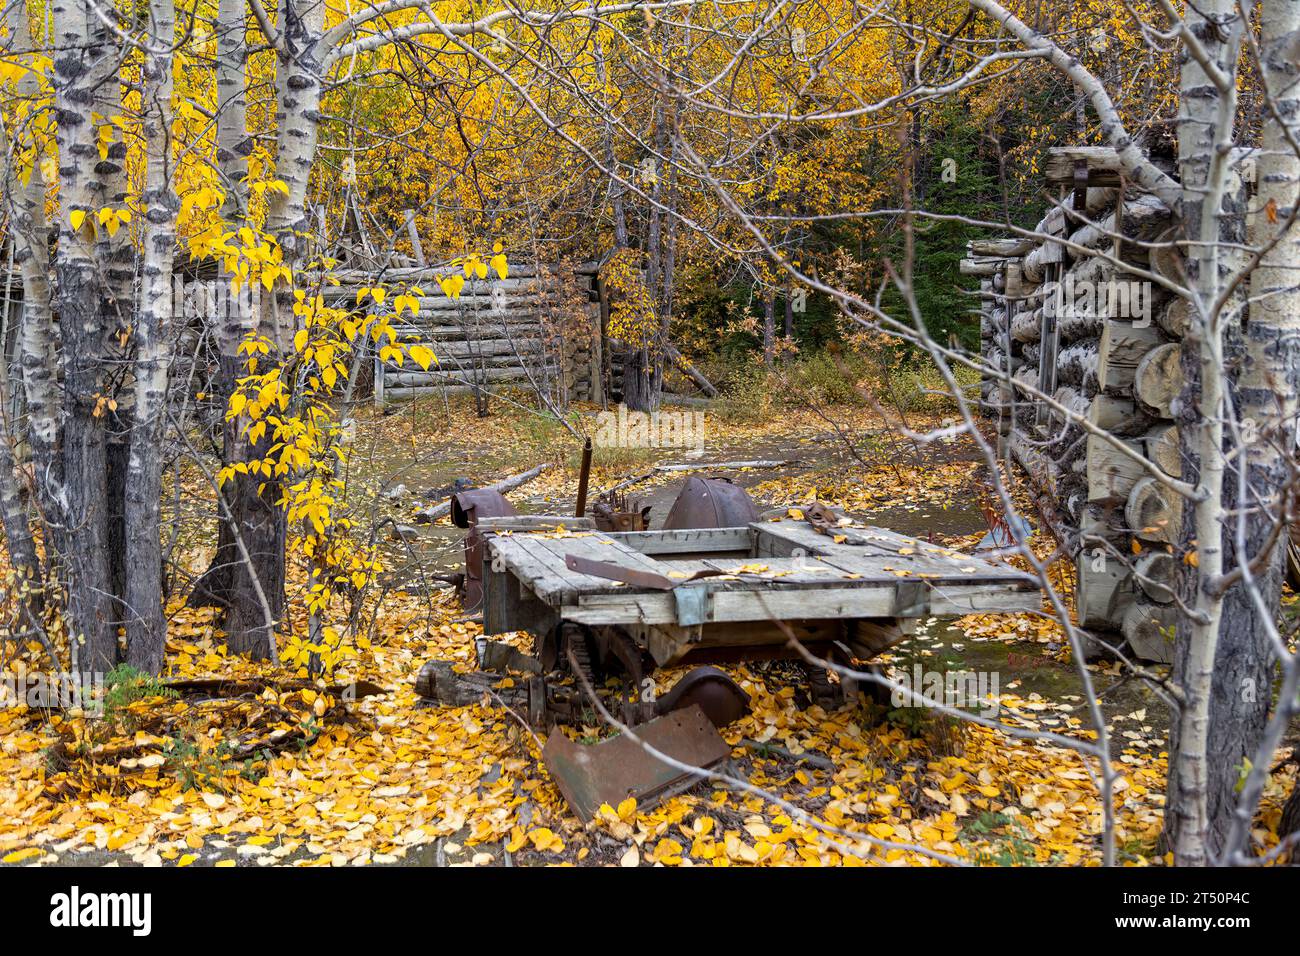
point(1064, 322)
point(539, 328)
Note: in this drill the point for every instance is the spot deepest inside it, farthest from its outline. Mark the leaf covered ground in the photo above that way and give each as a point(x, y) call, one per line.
point(228, 762)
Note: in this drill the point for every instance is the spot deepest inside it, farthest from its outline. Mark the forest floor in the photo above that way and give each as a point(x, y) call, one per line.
point(252, 765)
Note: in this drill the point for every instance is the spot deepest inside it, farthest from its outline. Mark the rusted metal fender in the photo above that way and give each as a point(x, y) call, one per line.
point(721, 698)
point(468, 508)
point(710, 503)
point(590, 775)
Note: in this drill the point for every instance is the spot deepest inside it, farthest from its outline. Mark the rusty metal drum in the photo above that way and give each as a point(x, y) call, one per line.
point(710, 503)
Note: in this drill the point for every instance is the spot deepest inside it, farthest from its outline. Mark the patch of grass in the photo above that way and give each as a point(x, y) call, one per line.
point(919, 387)
point(123, 686)
point(750, 391)
point(1010, 844)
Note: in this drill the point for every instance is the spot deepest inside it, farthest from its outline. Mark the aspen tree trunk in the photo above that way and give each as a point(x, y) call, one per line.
point(233, 142)
point(26, 207)
point(92, 608)
point(1206, 114)
point(236, 318)
point(114, 256)
point(256, 593)
point(38, 359)
point(1271, 381)
point(145, 625)
point(19, 543)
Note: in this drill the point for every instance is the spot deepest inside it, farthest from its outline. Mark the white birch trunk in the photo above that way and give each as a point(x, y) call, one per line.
point(92, 610)
point(30, 251)
point(1206, 114)
point(233, 141)
point(1267, 394)
point(145, 625)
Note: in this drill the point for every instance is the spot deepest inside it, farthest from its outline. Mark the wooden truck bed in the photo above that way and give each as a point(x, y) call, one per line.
point(773, 571)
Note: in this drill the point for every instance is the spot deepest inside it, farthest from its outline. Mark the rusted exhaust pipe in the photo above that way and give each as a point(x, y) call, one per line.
point(584, 475)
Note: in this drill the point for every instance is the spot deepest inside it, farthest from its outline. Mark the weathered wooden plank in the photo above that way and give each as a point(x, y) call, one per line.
point(536, 523)
point(466, 376)
point(1102, 163)
point(692, 541)
point(899, 553)
point(465, 350)
point(841, 602)
point(562, 586)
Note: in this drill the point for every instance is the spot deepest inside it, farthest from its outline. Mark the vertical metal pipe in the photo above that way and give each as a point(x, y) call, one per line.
point(583, 477)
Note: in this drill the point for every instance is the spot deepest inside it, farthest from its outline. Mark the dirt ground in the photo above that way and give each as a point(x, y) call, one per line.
point(202, 778)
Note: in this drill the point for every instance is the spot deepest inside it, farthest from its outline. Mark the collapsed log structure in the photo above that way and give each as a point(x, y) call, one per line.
point(537, 328)
point(1076, 329)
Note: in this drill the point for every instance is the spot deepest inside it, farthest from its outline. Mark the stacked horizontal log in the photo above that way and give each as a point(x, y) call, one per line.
point(495, 332)
point(1072, 331)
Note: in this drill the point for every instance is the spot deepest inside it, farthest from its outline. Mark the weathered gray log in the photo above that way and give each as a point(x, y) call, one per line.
point(1174, 317)
point(1119, 416)
point(1149, 630)
point(487, 303)
point(1080, 298)
point(999, 360)
point(1155, 573)
point(1035, 264)
point(472, 332)
point(1168, 262)
point(1026, 375)
point(1153, 512)
point(428, 276)
point(992, 325)
point(446, 349)
point(721, 465)
point(981, 266)
point(1158, 379)
point(1123, 346)
point(439, 683)
point(1001, 248)
point(1103, 164)
point(693, 373)
point(1104, 588)
point(1100, 527)
point(1026, 326)
point(1075, 322)
point(465, 376)
point(1077, 365)
point(1074, 400)
point(503, 371)
point(1162, 448)
point(1142, 218)
point(1112, 474)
